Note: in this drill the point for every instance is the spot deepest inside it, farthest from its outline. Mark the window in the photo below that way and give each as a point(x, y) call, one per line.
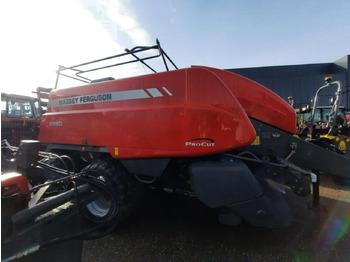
point(3, 107)
point(19, 109)
point(317, 117)
point(37, 108)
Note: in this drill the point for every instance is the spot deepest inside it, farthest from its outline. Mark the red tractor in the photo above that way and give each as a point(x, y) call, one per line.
point(198, 131)
point(20, 118)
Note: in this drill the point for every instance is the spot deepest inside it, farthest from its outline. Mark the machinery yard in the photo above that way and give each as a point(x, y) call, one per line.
point(182, 230)
point(192, 164)
point(170, 131)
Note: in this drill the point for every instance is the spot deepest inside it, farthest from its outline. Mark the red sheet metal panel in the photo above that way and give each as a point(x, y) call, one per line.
point(258, 101)
point(188, 112)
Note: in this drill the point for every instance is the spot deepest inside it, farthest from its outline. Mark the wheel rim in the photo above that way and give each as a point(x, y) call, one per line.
point(101, 206)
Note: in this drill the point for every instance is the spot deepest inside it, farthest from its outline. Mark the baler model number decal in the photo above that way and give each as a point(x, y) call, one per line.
point(201, 142)
point(56, 123)
point(111, 97)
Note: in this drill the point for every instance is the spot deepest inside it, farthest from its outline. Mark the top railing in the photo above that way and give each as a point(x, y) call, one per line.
point(77, 71)
point(335, 107)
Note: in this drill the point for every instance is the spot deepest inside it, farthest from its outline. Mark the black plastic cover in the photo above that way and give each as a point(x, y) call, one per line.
point(28, 153)
point(219, 184)
point(146, 167)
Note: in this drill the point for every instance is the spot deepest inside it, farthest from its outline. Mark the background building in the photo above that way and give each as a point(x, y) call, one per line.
point(302, 81)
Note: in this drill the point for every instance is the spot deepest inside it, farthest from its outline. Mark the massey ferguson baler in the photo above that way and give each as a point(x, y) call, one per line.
point(198, 131)
point(183, 131)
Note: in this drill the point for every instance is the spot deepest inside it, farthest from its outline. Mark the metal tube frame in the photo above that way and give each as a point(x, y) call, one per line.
point(335, 107)
point(78, 71)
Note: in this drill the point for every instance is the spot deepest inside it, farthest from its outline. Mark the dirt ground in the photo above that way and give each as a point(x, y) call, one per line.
point(175, 228)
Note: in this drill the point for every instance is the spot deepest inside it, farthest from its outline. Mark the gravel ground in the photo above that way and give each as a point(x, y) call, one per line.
point(174, 228)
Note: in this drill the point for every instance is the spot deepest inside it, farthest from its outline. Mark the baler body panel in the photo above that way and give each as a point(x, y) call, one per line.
point(187, 112)
point(259, 102)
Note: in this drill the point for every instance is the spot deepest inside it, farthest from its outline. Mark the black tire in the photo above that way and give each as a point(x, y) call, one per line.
point(126, 190)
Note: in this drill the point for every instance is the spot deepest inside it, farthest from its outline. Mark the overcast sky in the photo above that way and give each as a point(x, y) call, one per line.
point(36, 36)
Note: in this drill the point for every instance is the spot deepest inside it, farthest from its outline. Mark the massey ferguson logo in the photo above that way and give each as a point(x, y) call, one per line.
point(201, 142)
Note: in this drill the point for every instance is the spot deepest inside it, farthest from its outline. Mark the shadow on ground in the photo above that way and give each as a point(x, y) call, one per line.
point(175, 228)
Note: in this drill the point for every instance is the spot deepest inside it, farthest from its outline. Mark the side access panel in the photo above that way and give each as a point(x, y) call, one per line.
point(259, 102)
point(187, 112)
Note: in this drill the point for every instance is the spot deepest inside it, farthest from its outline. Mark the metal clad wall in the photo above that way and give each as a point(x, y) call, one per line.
point(302, 81)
